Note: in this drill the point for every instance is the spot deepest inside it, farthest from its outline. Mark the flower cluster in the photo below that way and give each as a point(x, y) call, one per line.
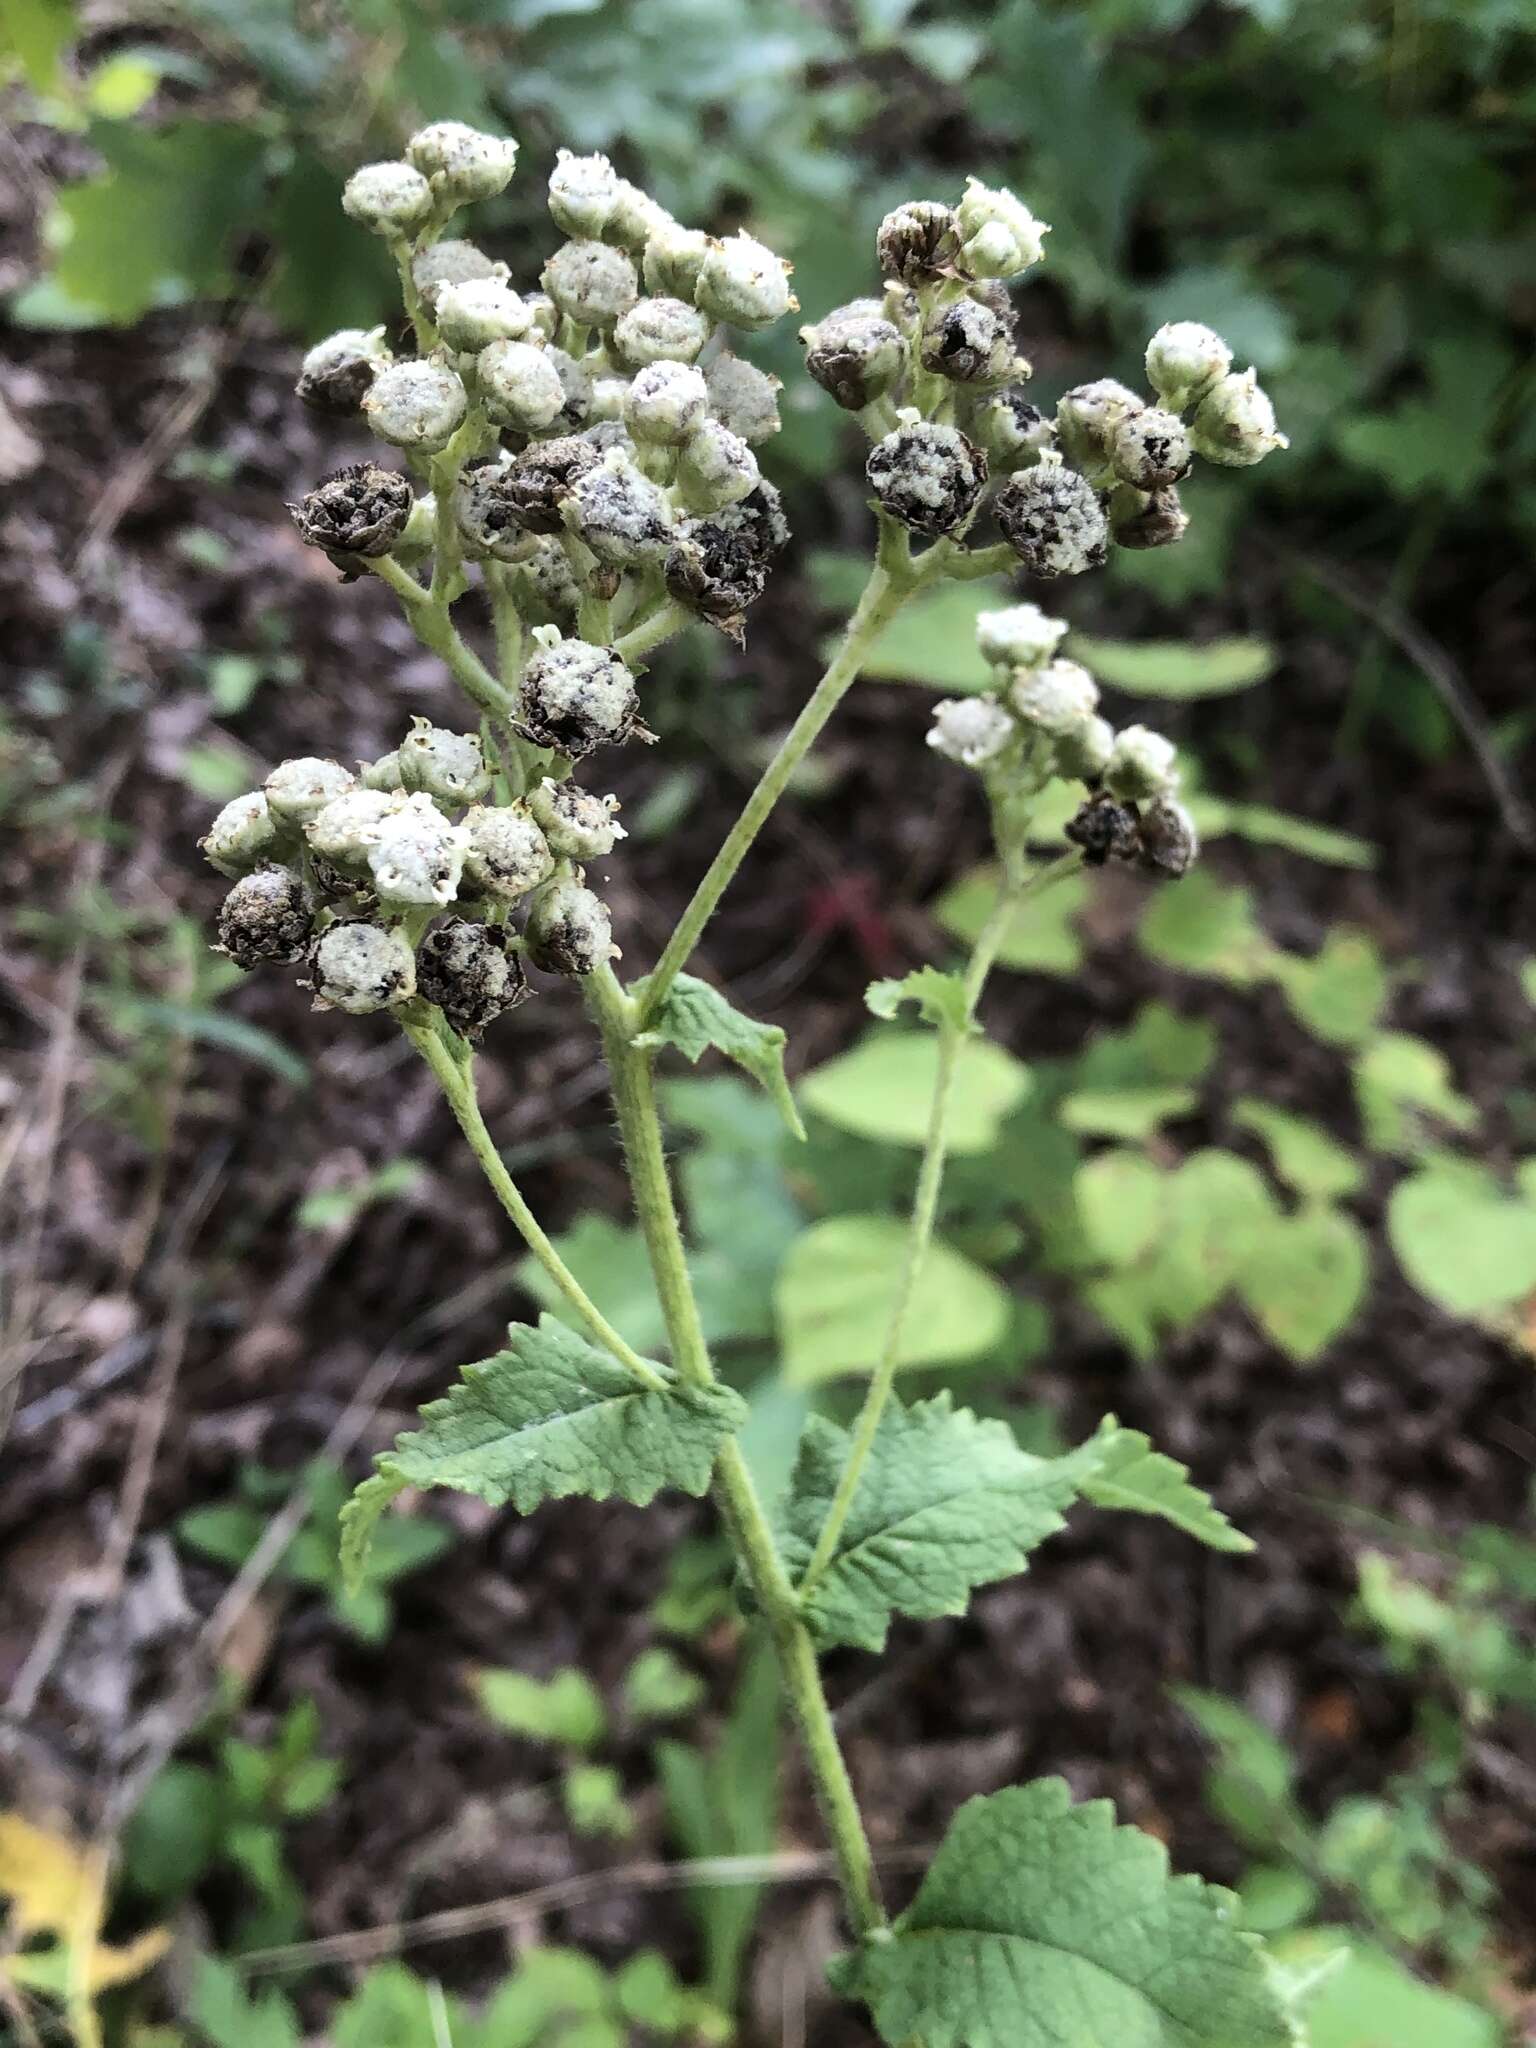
point(350, 873)
point(934, 373)
point(595, 435)
point(1038, 718)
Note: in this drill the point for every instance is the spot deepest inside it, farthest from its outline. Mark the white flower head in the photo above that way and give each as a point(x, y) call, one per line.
point(970, 730)
point(417, 857)
point(1141, 765)
point(1058, 699)
point(742, 282)
point(1022, 636)
point(1184, 359)
point(999, 236)
point(1234, 424)
point(391, 199)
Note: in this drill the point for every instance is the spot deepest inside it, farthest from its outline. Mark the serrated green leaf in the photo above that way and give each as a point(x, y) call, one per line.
point(1175, 669)
point(1042, 1924)
point(940, 997)
point(1302, 1153)
point(1306, 1278)
point(549, 1417)
point(883, 1089)
point(945, 1503)
point(835, 1292)
point(695, 1017)
point(1118, 1468)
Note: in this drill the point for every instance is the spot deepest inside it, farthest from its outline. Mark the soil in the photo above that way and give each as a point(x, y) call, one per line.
point(187, 1280)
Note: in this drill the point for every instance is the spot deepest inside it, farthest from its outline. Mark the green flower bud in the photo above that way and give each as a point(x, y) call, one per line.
point(591, 283)
point(243, 836)
point(666, 403)
point(578, 825)
point(265, 917)
point(1234, 423)
point(1012, 432)
point(450, 766)
point(970, 730)
point(468, 971)
point(919, 242)
point(716, 469)
point(999, 236)
point(388, 199)
point(461, 162)
point(519, 386)
point(1087, 421)
point(363, 511)
point(451, 262)
point(479, 311)
point(337, 373)
point(855, 360)
point(583, 192)
point(743, 398)
point(417, 405)
point(1169, 839)
point(1184, 360)
point(928, 477)
point(1085, 753)
point(1058, 699)
point(417, 857)
point(969, 344)
point(348, 828)
point(635, 218)
point(743, 283)
point(297, 791)
point(1150, 449)
point(620, 514)
point(575, 697)
point(1020, 637)
point(1143, 764)
point(507, 853)
point(1053, 521)
point(360, 967)
point(674, 256)
point(569, 930)
point(660, 330)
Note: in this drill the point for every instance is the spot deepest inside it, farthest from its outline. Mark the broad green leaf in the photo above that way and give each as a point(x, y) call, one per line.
point(1041, 1924)
point(611, 1264)
point(565, 1708)
point(548, 1417)
point(1161, 1046)
point(1219, 1209)
point(884, 1087)
point(595, 1806)
point(1217, 818)
point(1306, 1278)
point(940, 997)
point(1118, 1468)
point(836, 1289)
point(555, 1995)
point(1175, 668)
point(1372, 2001)
point(933, 640)
point(695, 1017)
point(1399, 1082)
point(1462, 1240)
point(1250, 1783)
point(156, 227)
point(1042, 937)
point(659, 1687)
point(1206, 927)
point(1338, 994)
point(1125, 1112)
point(1303, 1154)
point(221, 2007)
point(1121, 1198)
point(945, 1503)
point(37, 32)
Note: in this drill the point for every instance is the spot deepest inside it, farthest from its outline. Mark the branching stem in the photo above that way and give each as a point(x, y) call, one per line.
point(1013, 890)
point(430, 622)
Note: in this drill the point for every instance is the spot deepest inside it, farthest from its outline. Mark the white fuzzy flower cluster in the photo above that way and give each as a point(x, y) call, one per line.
point(351, 871)
point(934, 372)
point(596, 433)
point(1039, 718)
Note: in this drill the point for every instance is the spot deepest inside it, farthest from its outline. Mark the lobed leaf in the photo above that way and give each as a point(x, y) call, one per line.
point(1118, 1468)
point(946, 1502)
point(548, 1417)
point(695, 1017)
point(940, 998)
point(1041, 1923)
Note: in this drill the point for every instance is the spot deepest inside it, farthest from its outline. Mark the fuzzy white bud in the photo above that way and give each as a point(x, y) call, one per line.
point(1234, 424)
point(1142, 764)
point(451, 262)
point(360, 968)
point(660, 330)
point(1058, 699)
point(970, 730)
point(743, 397)
point(507, 854)
point(743, 283)
point(1150, 449)
point(418, 405)
point(665, 403)
point(336, 373)
point(450, 766)
point(620, 514)
point(463, 162)
point(674, 256)
point(591, 283)
point(348, 828)
point(479, 311)
point(297, 791)
point(241, 837)
point(417, 856)
point(716, 469)
point(1020, 637)
point(578, 825)
point(519, 385)
point(583, 191)
point(1085, 753)
point(1087, 420)
point(569, 930)
point(391, 199)
point(1184, 359)
point(999, 236)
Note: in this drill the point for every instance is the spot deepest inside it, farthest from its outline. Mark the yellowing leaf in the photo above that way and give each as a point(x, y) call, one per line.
point(54, 1889)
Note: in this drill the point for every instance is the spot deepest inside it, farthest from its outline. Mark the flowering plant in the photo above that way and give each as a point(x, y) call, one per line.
point(588, 449)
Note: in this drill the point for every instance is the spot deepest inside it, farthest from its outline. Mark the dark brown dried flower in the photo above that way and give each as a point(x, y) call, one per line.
point(468, 971)
point(360, 511)
point(918, 242)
